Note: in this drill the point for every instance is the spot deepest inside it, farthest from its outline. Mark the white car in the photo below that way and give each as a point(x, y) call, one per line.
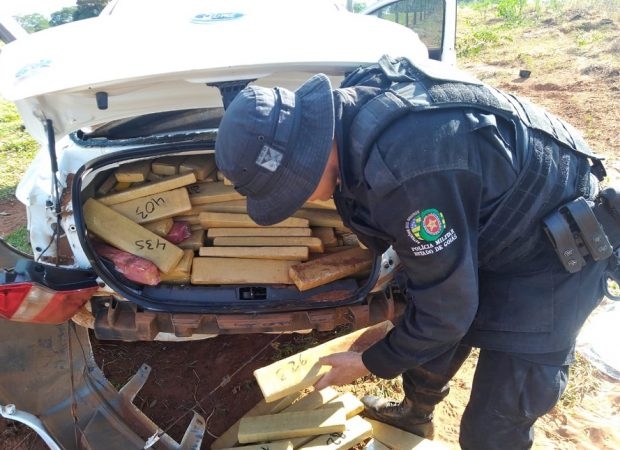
point(126, 90)
point(131, 100)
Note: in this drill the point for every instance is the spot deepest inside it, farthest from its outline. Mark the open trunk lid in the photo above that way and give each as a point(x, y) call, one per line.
point(93, 71)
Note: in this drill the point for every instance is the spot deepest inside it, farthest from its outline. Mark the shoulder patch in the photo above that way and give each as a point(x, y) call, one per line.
point(427, 230)
point(427, 225)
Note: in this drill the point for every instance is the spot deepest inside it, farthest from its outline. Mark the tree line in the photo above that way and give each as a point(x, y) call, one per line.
point(83, 9)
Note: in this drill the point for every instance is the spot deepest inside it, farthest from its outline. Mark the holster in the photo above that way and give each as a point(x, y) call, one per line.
point(609, 216)
point(607, 211)
point(582, 231)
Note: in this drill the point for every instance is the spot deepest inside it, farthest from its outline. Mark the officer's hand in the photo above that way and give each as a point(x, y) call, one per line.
point(345, 368)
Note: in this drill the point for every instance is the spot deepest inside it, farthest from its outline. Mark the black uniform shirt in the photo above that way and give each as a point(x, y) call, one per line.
point(425, 187)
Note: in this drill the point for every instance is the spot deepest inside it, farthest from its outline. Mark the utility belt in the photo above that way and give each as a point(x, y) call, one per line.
point(584, 229)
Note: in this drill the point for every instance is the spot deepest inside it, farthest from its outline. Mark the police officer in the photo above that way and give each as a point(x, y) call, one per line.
point(459, 179)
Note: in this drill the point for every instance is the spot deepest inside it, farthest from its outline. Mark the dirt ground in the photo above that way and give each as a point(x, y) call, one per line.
point(12, 215)
point(214, 377)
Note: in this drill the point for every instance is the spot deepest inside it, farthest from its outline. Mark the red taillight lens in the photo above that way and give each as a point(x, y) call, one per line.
point(11, 296)
point(31, 302)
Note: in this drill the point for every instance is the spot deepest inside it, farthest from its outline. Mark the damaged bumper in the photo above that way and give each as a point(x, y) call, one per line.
point(49, 381)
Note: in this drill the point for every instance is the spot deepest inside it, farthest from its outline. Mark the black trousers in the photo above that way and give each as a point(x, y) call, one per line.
point(508, 395)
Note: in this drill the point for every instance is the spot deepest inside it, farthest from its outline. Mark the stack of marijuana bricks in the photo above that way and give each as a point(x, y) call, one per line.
point(187, 224)
point(293, 416)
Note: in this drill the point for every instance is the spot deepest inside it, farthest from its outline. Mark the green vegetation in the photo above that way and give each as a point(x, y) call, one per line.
point(83, 9)
point(497, 31)
point(17, 148)
point(473, 43)
point(20, 240)
point(511, 10)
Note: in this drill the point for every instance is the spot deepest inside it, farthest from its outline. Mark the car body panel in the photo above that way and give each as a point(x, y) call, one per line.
point(49, 373)
point(55, 74)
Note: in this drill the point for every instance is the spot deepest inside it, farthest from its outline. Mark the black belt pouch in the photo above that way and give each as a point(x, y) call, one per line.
point(607, 211)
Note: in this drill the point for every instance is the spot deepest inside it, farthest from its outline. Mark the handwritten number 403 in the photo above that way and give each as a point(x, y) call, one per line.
point(149, 207)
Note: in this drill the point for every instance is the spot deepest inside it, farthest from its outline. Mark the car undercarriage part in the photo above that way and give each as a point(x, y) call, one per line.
point(50, 371)
point(12, 413)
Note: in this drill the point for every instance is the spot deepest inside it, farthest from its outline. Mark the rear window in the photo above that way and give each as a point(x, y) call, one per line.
point(424, 17)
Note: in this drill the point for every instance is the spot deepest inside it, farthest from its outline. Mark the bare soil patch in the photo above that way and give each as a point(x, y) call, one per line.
point(12, 215)
point(212, 377)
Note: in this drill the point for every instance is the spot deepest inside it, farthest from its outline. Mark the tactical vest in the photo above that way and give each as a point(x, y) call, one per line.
point(514, 229)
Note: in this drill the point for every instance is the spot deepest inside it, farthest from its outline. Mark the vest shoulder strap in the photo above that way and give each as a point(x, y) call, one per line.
point(406, 87)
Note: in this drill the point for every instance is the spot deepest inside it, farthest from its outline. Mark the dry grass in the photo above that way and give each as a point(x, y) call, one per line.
point(584, 379)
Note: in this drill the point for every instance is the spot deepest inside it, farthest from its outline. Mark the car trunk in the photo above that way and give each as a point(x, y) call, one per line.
point(163, 229)
point(94, 121)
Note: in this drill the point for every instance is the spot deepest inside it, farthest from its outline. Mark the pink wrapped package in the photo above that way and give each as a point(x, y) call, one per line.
point(133, 267)
point(179, 232)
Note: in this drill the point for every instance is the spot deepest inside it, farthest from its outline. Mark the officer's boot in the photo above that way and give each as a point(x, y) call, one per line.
point(425, 386)
point(405, 415)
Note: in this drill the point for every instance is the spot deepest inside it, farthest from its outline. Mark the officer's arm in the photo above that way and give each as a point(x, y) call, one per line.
point(433, 220)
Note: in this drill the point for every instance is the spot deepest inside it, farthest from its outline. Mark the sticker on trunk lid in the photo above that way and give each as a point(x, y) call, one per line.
point(216, 17)
point(32, 69)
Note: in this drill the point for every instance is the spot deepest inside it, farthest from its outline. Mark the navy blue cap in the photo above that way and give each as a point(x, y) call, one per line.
point(273, 145)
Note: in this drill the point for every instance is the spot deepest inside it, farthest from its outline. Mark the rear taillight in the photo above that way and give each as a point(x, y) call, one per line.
point(34, 303)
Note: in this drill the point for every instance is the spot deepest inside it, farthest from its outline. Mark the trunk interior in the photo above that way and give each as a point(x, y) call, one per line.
point(164, 229)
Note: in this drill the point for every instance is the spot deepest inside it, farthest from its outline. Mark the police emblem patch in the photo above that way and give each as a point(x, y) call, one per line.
point(427, 230)
point(427, 225)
